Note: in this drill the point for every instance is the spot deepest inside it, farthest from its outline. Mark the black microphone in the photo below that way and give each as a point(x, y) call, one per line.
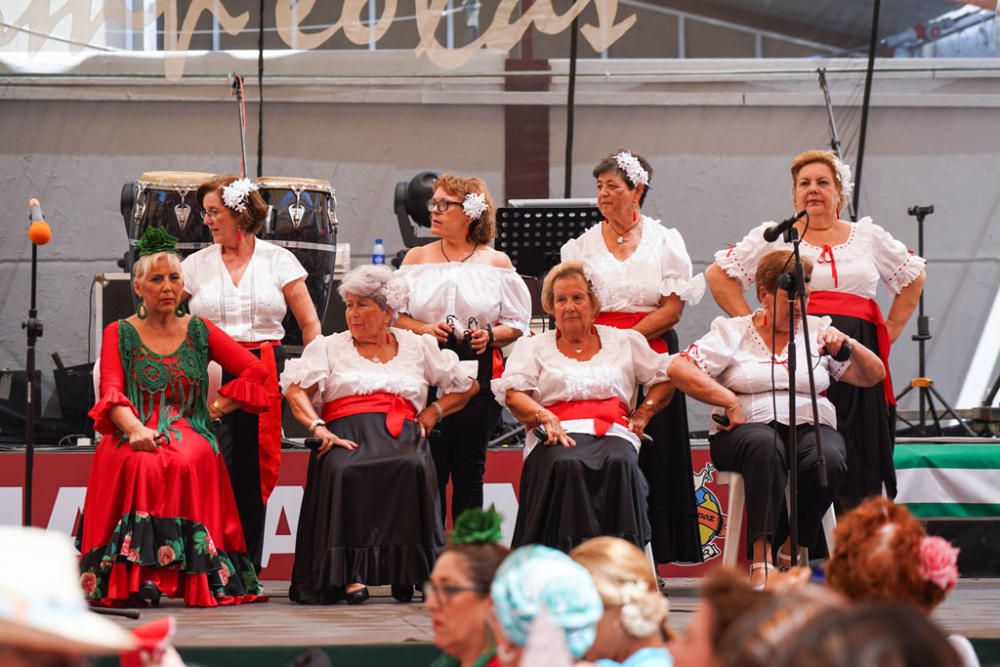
point(843, 354)
point(771, 234)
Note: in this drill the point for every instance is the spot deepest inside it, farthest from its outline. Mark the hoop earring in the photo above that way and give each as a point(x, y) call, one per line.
point(141, 311)
point(181, 310)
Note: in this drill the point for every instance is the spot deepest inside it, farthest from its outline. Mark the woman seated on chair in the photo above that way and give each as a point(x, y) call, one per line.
point(370, 514)
point(581, 479)
point(740, 366)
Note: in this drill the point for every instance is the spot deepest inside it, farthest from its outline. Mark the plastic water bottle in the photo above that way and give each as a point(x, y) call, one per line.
point(378, 252)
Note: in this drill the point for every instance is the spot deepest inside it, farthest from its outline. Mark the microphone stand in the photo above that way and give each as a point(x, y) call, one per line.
point(33, 331)
point(794, 283)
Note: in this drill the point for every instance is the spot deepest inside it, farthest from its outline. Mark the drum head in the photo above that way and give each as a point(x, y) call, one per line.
point(295, 183)
point(180, 178)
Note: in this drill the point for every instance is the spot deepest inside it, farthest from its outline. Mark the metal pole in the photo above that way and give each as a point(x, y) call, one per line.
point(570, 109)
point(873, 43)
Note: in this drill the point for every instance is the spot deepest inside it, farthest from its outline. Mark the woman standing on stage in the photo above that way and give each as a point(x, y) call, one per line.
point(246, 285)
point(646, 280)
point(850, 260)
point(468, 296)
point(160, 517)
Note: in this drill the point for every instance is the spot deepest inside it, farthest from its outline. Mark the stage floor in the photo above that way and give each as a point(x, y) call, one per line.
point(972, 609)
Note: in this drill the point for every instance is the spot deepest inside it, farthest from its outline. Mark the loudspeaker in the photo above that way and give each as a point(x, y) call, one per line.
point(112, 301)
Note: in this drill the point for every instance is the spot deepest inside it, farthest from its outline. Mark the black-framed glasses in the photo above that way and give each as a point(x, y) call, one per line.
point(441, 205)
point(444, 592)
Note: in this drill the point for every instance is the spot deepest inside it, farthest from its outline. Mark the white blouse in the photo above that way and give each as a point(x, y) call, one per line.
point(660, 266)
point(333, 365)
point(251, 311)
point(735, 355)
point(491, 294)
point(538, 368)
point(868, 255)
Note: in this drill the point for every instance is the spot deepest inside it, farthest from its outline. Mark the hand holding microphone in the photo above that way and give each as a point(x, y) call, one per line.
point(38, 231)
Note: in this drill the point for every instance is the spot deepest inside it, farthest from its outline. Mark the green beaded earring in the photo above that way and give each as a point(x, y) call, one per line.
point(141, 311)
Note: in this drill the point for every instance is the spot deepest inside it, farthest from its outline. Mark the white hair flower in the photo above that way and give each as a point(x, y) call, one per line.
point(474, 205)
point(235, 194)
point(641, 612)
point(395, 293)
point(633, 168)
point(844, 178)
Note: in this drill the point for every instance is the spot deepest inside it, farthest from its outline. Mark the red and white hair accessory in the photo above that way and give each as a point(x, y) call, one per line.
point(939, 562)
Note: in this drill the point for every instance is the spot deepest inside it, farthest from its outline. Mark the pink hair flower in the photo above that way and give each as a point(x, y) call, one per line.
point(939, 562)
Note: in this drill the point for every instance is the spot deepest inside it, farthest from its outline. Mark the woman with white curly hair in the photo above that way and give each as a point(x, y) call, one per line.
point(370, 515)
point(632, 631)
point(850, 259)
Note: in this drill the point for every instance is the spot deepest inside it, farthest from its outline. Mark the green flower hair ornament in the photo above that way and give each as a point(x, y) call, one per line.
point(476, 526)
point(154, 240)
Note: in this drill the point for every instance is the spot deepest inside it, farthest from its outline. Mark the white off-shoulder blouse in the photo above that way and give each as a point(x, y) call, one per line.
point(737, 357)
point(856, 266)
point(660, 266)
point(333, 365)
point(253, 310)
point(491, 294)
point(538, 368)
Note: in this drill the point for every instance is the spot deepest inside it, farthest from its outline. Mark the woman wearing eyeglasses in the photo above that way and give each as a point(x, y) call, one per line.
point(469, 297)
point(458, 593)
point(245, 286)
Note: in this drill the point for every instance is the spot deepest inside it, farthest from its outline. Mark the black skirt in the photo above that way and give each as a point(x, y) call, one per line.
point(571, 494)
point(868, 425)
point(666, 464)
point(370, 515)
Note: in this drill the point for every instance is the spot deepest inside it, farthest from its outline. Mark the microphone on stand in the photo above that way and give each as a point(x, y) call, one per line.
point(772, 233)
point(38, 231)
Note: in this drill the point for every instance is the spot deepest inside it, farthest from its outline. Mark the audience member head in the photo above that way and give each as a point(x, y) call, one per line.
point(756, 637)
point(634, 609)
point(457, 595)
point(869, 635)
point(882, 553)
point(726, 596)
point(534, 581)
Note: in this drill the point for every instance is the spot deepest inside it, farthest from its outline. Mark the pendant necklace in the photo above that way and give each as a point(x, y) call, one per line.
point(621, 235)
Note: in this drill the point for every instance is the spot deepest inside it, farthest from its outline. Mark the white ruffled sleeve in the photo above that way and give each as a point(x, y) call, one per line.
point(520, 372)
point(677, 271)
point(571, 251)
point(287, 267)
point(896, 265)
point(515, 302)
point(740, 261)
point(442, 368)
point(713, 351)
point(649, 366)
point(312, 368)
point(835, 368)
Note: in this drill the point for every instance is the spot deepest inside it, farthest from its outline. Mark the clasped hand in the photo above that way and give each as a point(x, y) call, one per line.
point(555, 435)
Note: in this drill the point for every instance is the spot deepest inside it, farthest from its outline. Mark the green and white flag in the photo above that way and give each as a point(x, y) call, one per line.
point(949, 480)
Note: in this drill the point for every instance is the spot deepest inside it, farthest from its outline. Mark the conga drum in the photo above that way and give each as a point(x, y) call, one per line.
point(166, 199)
point(302, 216)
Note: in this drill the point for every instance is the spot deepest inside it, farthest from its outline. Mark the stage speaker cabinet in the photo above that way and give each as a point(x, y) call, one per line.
point(112, 300)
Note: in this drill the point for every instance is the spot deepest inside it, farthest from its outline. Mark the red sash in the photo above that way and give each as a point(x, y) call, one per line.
point(604, 412)
point(497, 364)
point(851, 305)
point(396, 409)
point(269, 421)
point(620, 320)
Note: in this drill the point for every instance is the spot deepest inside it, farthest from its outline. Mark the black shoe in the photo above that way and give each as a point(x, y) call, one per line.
point(358, 596)
point(329, 596)
point(149, 593)
point(403, 593)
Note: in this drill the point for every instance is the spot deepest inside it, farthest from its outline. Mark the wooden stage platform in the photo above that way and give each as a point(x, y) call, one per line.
point(383, 631)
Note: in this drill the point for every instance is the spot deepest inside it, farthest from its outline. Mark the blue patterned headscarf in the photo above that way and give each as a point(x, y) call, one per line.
point(536, 577)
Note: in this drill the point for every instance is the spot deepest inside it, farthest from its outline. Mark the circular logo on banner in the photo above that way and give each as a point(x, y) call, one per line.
point(711, 520)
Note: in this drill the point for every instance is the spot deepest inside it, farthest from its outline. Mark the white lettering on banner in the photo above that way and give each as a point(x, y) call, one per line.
point(11, 509)
point(287, 500)
point(503, 33)
point(69, 503)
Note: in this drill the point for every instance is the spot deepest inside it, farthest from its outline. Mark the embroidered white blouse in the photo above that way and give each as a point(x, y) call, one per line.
point(868, 255)
point(735, 355)
point(251, 311)
point(660, 266)
point(333, 365)
point(491, 294)
point(538, 368)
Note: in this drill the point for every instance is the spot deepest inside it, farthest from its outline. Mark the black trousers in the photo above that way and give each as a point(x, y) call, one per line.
point(239, 443)
point(459, 444)
point(758, 452)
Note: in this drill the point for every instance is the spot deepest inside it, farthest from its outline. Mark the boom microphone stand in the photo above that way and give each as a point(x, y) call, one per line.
point(794, 284)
